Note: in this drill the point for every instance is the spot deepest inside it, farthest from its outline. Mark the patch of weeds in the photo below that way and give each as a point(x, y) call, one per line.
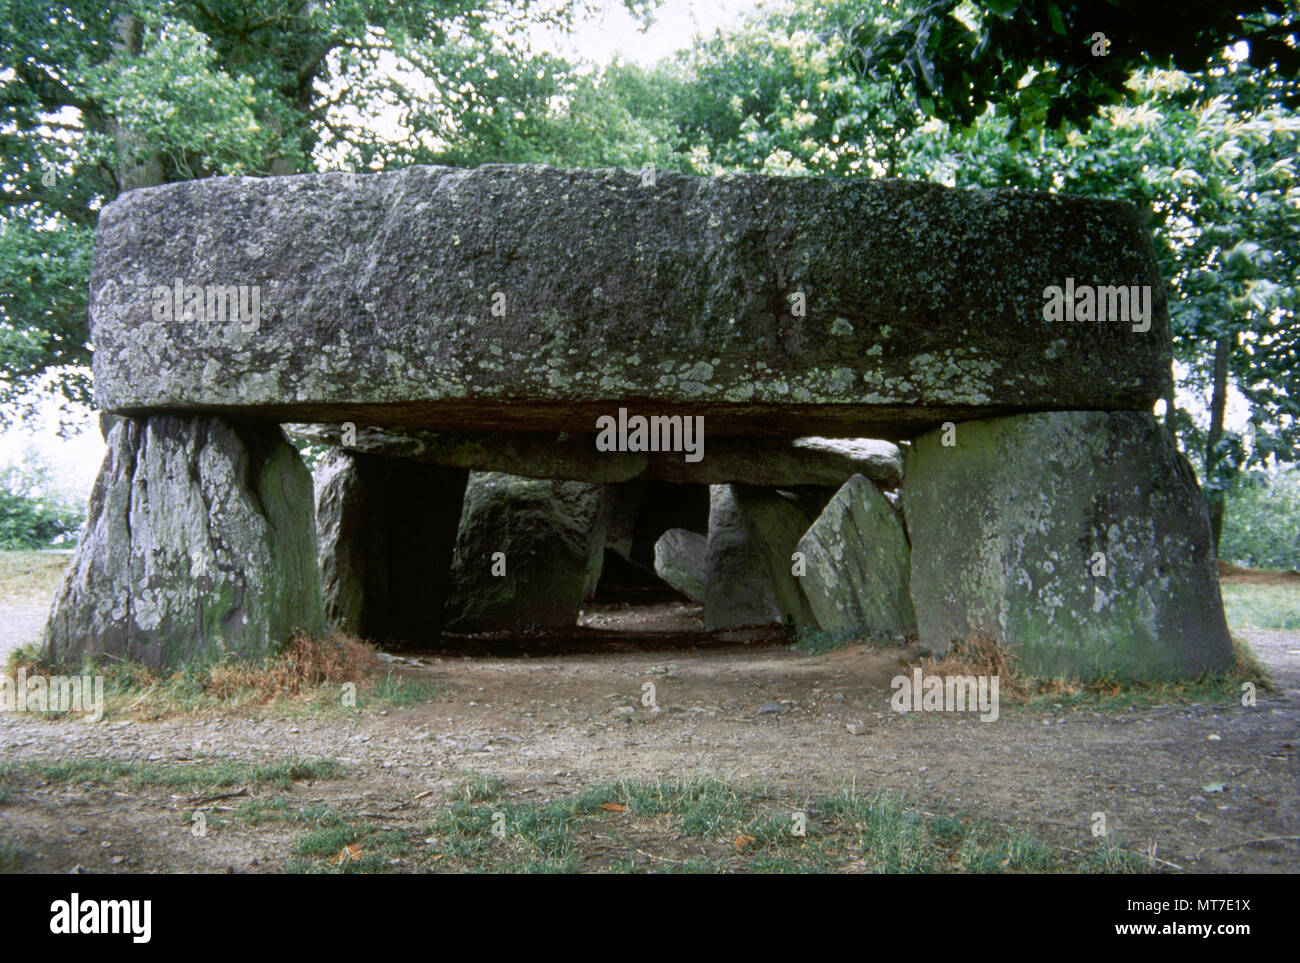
point(479, 788)
point(1111, 858)
point(1111, 695)
point(1023, 692)
point(690, 826)
point(307, 678)
point(888, 836)
point(274, 809)
point(216, 773)
point(352, 848)
point(399, 691)
point(27, 657)
point(812, 641)
point(11, 857)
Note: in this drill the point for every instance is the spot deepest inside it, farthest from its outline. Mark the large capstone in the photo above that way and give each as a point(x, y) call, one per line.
point(386, 528)
point(856, 563)
point(1079, 539)
point(535, 298)
point(527, 554)
point(199, 543)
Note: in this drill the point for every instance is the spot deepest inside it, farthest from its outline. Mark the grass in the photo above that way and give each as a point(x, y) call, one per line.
point(688, 826)
point(1030, 693)
point(213, 774)
point(337, 675)
point(1262, 606)
point(811, 641)
point(30, 576)
point(11, 857)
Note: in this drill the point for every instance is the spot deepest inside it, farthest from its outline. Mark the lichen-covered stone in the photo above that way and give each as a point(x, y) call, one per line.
point(1080, 539)
point(551, 539)
point(386, 528)
point(857, 563)
point(776, 522)
point(772, 462)
point(528, 297)
point(199, 542)
point(681, 560)
point(738, 589)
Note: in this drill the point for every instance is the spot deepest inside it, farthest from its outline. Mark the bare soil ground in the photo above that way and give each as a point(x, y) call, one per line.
point(1214, 788)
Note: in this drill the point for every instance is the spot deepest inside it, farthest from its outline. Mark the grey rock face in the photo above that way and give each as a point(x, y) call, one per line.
point(681, 560)
point(386, 528)
point(772, 462)
point(1078, 538)
point(858, 563)
point(199, 542)
point(551, 536)
point(738, 588)
point(527, 297)
point(776, 522)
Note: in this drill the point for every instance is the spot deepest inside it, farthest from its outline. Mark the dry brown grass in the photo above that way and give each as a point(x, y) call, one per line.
point(982, 656)
point(305, 664)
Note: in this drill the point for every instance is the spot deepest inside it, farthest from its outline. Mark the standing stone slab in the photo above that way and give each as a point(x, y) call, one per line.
point(199, 542)
point(552, 536)
point(386, 529)
point(776, 522)
point(858, 563)
point(378, 301)
point(738, 589)
point(1006, 526)
point(681, 560)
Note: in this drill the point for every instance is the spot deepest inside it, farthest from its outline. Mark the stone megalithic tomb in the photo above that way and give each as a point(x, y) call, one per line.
point(895, 407)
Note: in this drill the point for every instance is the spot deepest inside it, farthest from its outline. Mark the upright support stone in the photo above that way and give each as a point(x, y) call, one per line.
point(858, 560)
point(527, 554)
point(1079, 539)
point(776, 523)
point(738, 588)
point(387, 527)
point(682, 560)
point(199, 542)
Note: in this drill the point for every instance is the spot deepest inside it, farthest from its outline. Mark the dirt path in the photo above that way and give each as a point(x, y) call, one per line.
point(550, 726)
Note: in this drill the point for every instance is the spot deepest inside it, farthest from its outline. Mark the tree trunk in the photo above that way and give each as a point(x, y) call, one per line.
point(136, 167)
point(1216, 493)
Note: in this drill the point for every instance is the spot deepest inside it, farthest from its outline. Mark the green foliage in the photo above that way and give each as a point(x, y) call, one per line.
point(1262, 524)
point(1221, 191)
point(1056, 63)
point(780, 95)
point(32, 513)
